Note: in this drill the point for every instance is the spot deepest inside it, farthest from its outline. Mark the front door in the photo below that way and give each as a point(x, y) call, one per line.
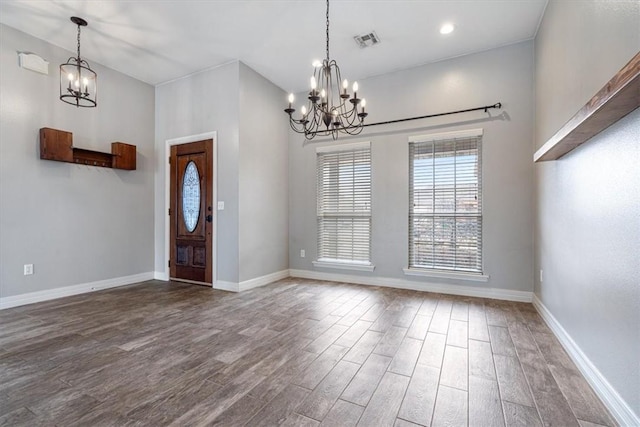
point(191, 212)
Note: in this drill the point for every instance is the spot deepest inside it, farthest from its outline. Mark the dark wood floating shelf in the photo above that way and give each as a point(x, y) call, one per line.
point(57, 145)
point(619, 97)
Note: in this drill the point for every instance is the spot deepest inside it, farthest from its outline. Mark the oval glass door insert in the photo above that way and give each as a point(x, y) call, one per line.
point(191, 196)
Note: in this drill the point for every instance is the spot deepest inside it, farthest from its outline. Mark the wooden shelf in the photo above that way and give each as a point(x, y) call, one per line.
point(57, 145)
point(619, 97)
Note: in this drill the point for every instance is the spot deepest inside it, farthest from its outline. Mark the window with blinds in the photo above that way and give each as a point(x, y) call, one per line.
point(445, 203)
point(344, 203)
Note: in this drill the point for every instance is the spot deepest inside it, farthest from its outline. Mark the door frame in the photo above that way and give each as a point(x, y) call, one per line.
point(167, 198)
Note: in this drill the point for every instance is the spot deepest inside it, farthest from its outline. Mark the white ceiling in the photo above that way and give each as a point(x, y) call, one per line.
point(159, 40)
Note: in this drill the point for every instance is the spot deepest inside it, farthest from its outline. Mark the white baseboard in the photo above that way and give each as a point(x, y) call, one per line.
point(263, 280)
point(251, 283)
point(33, 297)
point(161, 275)
point(470, 291)
point(221, 285)
point(609, 396)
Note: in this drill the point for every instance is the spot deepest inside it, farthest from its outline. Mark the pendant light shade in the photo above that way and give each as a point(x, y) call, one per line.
point(78, 82)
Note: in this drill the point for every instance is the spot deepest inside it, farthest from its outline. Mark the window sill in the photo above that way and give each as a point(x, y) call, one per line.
point(356, 266)
point(473, 277)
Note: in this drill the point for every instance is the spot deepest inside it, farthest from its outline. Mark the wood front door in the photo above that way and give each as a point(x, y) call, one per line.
point(191, 212)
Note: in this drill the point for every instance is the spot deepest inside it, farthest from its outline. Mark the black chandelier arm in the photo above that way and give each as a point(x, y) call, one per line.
point(77, 61)
point(302, 125)
point(350, 131)
point(292, 123)
point(349, 122)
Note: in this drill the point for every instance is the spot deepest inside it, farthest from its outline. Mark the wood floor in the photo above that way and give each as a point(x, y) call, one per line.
point(295, 353)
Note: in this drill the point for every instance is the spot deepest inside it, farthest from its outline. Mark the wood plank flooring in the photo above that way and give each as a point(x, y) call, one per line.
point(295, 353)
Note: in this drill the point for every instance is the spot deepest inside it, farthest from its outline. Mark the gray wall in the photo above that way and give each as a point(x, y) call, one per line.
point(203, 102)
point(588, 202)
point(505, 75)
point(264, 177)
point(76, 224)
point(243, 108)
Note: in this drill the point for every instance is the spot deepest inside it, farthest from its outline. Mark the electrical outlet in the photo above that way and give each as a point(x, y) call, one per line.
point(302, 253)
point(540, 275)
point(220, 206)
point(28, 269)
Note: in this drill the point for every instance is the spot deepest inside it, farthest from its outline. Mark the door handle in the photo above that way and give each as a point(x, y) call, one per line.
point(209, 218)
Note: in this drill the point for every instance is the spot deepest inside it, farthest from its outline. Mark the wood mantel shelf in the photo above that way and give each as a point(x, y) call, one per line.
point(619, 97)
point(57, 145)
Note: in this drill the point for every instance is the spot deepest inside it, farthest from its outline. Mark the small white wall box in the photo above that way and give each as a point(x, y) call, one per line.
point(33, 62)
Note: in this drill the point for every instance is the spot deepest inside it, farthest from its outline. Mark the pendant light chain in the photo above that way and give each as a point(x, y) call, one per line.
point(327, 30)
point(78, 42)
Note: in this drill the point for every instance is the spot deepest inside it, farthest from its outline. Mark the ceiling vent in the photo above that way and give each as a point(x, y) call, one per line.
point(367, 40)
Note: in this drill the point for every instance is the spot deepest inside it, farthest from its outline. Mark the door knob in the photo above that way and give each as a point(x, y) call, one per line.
point(209, 218)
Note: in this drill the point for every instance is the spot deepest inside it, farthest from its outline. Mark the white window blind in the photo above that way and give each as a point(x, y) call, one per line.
point(344, 204)
point(445, 203)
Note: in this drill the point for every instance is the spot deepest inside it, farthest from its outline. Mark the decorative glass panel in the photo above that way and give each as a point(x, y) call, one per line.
point(191, 196)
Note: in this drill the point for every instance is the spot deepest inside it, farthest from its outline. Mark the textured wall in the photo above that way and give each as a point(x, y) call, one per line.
point(588, 202)
point(76, 224)
point(505, 75)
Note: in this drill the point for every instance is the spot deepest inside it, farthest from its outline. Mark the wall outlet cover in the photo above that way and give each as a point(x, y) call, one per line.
point(28, 269)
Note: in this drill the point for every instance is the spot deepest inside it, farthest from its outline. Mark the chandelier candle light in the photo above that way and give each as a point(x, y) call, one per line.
point(78, 82)
point(331, 109)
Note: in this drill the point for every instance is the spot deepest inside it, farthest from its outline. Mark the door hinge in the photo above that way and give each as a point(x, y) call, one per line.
point(169, 263)
point(169, 211)
point(169, 160)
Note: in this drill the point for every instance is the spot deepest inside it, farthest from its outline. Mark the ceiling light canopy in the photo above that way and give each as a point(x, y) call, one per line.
point(447, 28)
point(78, 82)
point(331, 108)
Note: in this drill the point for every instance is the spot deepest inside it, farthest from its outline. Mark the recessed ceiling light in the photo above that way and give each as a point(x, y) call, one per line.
point(446, 28)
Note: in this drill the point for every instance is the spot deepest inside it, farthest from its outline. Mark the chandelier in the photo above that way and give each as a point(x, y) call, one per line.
point(331, 109)
point(78, 82)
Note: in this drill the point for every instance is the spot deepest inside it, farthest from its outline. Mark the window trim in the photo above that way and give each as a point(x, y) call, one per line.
point(480, 276)
point(443, 274)
point(343, 265)
point(337, 263)
point(432, 137)
point(353, 146)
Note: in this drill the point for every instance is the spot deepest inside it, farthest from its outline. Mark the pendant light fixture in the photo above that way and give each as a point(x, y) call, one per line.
point(331, 109)
point(78, 82)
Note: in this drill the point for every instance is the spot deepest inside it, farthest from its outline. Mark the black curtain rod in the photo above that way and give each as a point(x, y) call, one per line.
point(485, 108)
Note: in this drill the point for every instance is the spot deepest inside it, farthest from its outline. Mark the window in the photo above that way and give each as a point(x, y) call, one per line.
point(445, 202)
point(344, 205)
